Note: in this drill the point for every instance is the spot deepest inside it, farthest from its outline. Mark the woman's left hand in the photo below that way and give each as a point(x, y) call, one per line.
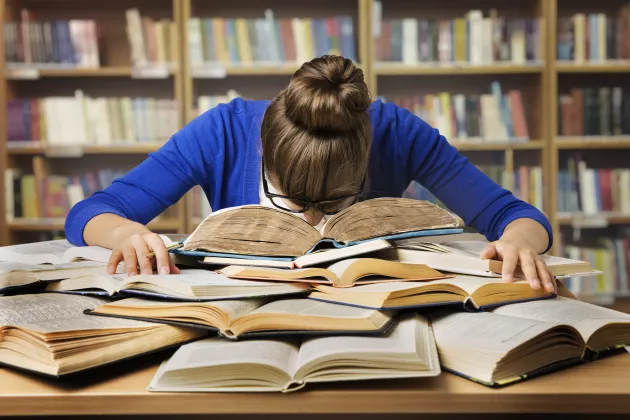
point(513, 254)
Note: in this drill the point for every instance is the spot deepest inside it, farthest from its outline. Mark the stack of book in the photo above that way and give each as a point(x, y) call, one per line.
point(593, 191)
point(81, 120)
point(612, 257)
point(51, 44)
point(490, 117)
point(35, 196)
point(303, 322)
point(528, 185)
point(603, 111)
point(153, 43)
point(470, 40)
point(594, 37)
point(267, 40)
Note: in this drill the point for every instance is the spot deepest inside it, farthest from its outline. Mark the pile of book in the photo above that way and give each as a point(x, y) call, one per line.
point(51, 44)
point(40, 195)
point(311, 312)
point(472, 40)
point(81, 120)
point(152, 42)
point(592, 191)
point(603, 111)
point(267, 40)
point(492, 117)
point(594, 37)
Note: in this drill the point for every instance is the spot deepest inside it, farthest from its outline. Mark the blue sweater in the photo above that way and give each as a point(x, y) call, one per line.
point(220, 150)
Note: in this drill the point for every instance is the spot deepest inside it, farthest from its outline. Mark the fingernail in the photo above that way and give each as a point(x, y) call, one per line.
point(110, 270)
point(164, 270)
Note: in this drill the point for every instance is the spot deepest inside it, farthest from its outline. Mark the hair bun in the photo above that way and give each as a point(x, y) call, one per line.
point(327, 94)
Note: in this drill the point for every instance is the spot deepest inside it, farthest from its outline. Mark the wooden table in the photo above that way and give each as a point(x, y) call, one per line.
point(599, 387)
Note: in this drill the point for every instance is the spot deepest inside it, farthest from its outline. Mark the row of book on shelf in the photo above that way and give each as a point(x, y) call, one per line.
point(601, 111)
point(526, 183)
point(39, 195)
point(75, 43)
point(594, 37)
point(82, 120)
point(308, 321)
point(472, 39)
point(591, 191)
point(268, 40)
point(494, 116)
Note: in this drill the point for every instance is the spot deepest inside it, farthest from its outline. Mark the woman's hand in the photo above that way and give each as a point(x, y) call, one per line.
point(520, 244)
point(133, 250)
point(534, 268)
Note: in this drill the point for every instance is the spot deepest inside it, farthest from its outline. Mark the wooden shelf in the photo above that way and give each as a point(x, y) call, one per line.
point(136, 149)
point(590, 220)
point(118, 71)
point(593, 67)
point(54, 224)
point(399, 69)
point(472, 146)
point(594, 142)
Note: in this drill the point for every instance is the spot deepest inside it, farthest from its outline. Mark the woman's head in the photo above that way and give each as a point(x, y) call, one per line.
point(316, 133)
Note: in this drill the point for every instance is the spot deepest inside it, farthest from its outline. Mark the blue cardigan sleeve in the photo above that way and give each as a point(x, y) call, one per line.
point(154, 185)
point(464, 189)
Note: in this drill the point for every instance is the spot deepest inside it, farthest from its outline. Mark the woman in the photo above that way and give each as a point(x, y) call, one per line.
point(322, 144)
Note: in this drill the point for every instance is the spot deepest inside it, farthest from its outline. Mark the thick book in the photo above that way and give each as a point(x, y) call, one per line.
point(345, 273)
point(215, 365)
point(254, 317)
point(196, 285)
point(265, 231)
point(16, 276)
point(473, 292)
point(49, 334)
point(525, 339)
point(464, 257)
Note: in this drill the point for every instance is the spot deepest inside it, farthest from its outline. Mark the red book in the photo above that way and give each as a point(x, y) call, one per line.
point(578, 112)
point(604, 188)
point(566, 108)
point(332, 32)
point(518, 114)
point(288, 40)
point(523, 180)
point(386, 41)
point(150, 38)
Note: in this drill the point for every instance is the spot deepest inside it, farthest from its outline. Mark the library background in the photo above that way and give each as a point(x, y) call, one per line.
point(536, 93)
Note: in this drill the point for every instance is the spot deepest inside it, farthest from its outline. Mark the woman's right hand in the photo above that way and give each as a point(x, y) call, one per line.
point(133, 250)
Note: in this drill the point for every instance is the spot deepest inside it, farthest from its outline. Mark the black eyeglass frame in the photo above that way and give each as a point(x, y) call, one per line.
point(308, 204)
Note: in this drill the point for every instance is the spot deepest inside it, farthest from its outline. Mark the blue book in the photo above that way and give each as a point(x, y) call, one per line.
point(65, 42)
point(347, 38)
point(54, 35)
point(598, 190)
point(503, 109)
point(211, 52)
point(593, 45)
point(278, 46)
point(451, 28)
point(322, 42)
point(397, 39)
point(230, 38)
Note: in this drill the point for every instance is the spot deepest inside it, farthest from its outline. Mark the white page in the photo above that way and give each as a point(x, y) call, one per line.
point(28, 309)
point(584, 317)
point(307, 307)
point(196, 278)
point(90, 253)
point(339, 267)
point(85, 323)
point(472, 248)
point(49, 252)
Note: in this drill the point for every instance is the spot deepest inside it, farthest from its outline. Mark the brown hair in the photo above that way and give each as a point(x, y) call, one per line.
point(316, 133)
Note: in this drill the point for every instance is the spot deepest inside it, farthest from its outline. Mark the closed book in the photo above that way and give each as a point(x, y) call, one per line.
point(566, 124)
point(397, 40)
point(220, 42)
point(475, 46)
point(209, 53)
point(288, 40)
point(593, 34)
point(277, 40)
point(230, 37)
point(580, 38)
point(383, 46)
point(424, 41)
point(601, 37)
point(578, 112)
point(242, 41)
point(518, 114)
point(611, 38)
point(518, 42)
point(591, 112)
point(605, 187)
point(444, 42)
point(348, 49)
point(322, 46)
point(617, 111)
point(333, 32)
point(625, 112)
point(473, 116)
point(410, 41)
point(605, 115)
point(148, 30)
point(460, 39)
point(196, 42)
point(307, 28)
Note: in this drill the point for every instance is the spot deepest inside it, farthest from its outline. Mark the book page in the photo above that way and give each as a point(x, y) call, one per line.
point(584, 317)
point(28, 309)
point(281, 354)
point(195, 278)
point(84, 322)
point(89, 253)
point(488, 331)
point(339, 267)
point(308, 307)
point(471, 248)
point(399, 340)
point(49, 252)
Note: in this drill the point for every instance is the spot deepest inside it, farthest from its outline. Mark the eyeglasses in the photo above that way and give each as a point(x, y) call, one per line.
point(327, 207)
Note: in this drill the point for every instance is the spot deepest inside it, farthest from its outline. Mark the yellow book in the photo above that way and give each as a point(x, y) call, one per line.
point(242, 41)
point(579, 25)
point(160, 38)
point(220, 43)
point(29, 197)
point(460, 39)
point(445, 123)
point(174, 43)
point(308, 38)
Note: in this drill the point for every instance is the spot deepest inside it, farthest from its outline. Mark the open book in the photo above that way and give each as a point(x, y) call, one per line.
point(190, 285)
point(344, 273)
point(474, 292)
point(53, 252)
point(264, 231)
point(464, 257)
point(518, 341)
point(214, 365)
point(15, 276)
point(236, 318)
point(49, 334)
